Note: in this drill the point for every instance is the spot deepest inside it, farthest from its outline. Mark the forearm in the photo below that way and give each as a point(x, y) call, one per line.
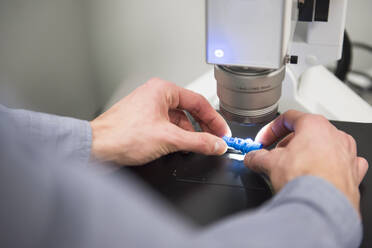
point(308, 212)
point(69, 137)
point(86, 209)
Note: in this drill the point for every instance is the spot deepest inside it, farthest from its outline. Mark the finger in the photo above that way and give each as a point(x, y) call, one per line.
point(179, 118)
point(200, 109)
point(362, 168)
point(284, 142)
point(203, 143)
point(258, 161)
point(352, 144)
point(279, 128)
point(205, 128)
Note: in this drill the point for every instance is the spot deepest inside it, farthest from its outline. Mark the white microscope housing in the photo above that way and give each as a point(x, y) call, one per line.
point(256, 45)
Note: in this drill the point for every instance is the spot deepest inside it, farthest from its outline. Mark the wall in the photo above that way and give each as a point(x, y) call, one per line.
point(359, 27)
point(45, 57)
point(134, 40)
point(69, 56)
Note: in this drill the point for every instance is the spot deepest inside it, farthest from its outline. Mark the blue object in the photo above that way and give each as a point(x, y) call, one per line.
point(243, 145)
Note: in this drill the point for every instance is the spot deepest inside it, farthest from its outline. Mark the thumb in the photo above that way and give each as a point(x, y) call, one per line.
point(362, 168)
point(259, 161)
point(204, 143)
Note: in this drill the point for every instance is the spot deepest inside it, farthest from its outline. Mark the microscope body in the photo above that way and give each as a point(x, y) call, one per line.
point(253, 44)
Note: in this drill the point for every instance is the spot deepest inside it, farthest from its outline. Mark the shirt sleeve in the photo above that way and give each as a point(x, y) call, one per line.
point(67, 207)
point(308, 212)
point(71, 138)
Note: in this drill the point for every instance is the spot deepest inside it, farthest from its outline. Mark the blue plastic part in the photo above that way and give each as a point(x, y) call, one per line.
point(243, 145)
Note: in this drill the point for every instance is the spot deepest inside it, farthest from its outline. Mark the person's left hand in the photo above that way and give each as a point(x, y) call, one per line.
point(150, 123)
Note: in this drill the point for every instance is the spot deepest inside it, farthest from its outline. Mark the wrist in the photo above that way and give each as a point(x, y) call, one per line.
point(345, 186)
point(327, 201)
point(99, 150)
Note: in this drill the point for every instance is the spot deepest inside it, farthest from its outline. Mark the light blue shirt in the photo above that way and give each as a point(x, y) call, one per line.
point(52, 198)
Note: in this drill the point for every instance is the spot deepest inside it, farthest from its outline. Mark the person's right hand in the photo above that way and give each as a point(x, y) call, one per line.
point(310, 145)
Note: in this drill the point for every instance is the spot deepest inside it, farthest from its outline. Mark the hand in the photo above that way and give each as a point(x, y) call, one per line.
point(150, 123)
point(310, 145)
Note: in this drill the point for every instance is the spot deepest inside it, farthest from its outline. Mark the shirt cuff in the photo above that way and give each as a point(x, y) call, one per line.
point(71, 138)
point(329, 202)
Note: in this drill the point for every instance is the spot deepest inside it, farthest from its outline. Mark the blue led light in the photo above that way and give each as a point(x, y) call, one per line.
point(243, 145)
point(219, 53)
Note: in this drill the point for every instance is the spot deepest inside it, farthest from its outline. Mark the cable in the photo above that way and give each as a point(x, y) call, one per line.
point(362, 46)
point(367, 48)
point(344, 65)
point(357, 86)
point(363, 74)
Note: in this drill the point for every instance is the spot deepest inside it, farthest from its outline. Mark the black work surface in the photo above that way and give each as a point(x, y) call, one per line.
point(207, 189)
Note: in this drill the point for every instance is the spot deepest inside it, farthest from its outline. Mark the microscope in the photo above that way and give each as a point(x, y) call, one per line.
point(269, 56)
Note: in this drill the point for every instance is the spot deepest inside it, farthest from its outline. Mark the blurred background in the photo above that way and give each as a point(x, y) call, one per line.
point(69, 57)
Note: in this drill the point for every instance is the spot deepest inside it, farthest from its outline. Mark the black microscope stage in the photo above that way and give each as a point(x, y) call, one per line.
point(207, 189)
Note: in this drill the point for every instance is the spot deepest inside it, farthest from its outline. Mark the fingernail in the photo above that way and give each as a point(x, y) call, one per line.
point(248, 157)
point(259, 135)
point(228, 134)
point(220, 147)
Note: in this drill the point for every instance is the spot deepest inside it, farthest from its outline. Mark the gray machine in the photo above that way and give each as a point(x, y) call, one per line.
point(252, 42)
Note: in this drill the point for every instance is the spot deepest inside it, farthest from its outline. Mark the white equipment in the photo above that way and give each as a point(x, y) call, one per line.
point(269, 56)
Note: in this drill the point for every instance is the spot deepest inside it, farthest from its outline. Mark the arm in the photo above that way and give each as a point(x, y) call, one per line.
point(151, 122)
point(145, 125)
point(313, 207)
point(307, 212)
point(320, 209)
point(316, 179)
point(80, 209)
point(70, 137)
